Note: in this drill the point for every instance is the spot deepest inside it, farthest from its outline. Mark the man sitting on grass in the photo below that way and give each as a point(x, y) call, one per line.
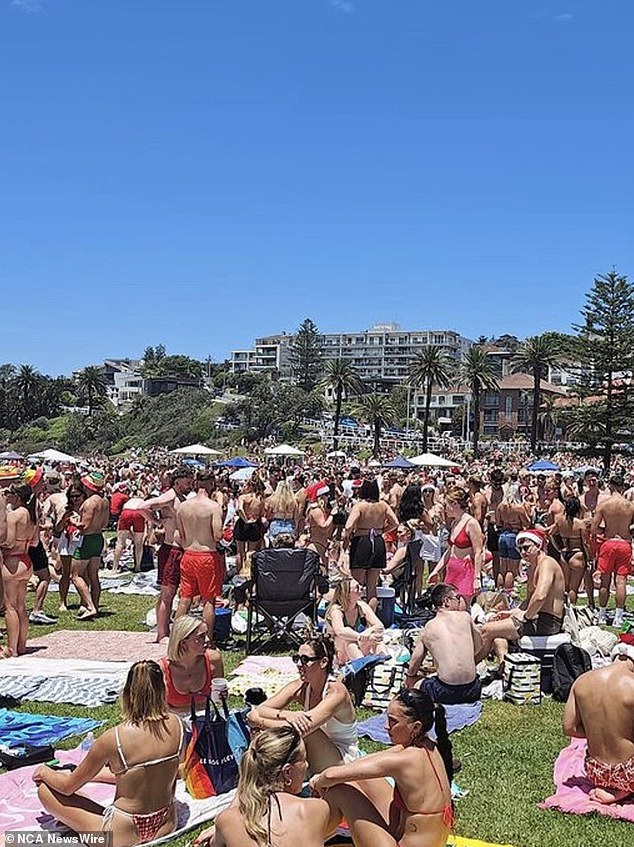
point(600, 708)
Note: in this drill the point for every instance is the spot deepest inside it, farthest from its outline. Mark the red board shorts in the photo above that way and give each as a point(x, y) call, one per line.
point(131, 519)
point(615, 556)
point(202, 572)
point(169, 565)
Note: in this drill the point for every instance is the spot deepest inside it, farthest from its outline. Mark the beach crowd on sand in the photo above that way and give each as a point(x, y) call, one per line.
point(492, 550)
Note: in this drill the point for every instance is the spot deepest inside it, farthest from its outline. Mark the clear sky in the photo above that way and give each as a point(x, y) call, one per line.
point(198, 172)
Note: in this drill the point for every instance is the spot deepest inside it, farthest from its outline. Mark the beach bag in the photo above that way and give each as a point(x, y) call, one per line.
point(356, 675)
point(569, 662)
point(209, 765)
point(238, 733)
point(522, 679)
point(384, 684)
point(26, 754)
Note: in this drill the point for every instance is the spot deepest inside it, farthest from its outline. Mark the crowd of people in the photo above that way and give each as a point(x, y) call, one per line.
point(469, 543)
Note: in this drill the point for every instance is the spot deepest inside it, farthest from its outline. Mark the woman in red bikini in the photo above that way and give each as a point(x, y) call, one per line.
point(140, 756)
point(189, 667)
point(463, 559)
point(16, 568)
point(417, 811)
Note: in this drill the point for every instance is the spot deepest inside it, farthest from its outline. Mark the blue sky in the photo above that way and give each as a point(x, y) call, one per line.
point(198, 172)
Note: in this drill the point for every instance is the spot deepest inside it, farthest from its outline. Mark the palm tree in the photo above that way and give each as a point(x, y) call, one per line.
point(477, 372)
point(26, 382)
point(536, 354)
point(432, 366)
point(92, 384)
point(379, 411)
point(548, 418)
point(342, 377)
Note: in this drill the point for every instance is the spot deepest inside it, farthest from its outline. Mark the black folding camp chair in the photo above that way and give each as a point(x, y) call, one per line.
point(283, 596)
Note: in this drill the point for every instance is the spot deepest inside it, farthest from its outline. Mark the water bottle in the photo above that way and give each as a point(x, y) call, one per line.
point(87, 743)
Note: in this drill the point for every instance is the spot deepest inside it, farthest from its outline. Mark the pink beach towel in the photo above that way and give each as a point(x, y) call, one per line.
point(573, 787)
point(109, 645)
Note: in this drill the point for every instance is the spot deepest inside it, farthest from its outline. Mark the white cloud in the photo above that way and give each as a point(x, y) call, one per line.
point(564, 18)
point(27, 6)
point(342, 5)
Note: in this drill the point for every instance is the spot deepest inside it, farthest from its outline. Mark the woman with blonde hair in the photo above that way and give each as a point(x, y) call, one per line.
point(140, 756)
point(281, 511)
point(17, 568)
point(463, 560)
point(511, 516)
point(266, 810)
point(189, 667)
point(352, 622)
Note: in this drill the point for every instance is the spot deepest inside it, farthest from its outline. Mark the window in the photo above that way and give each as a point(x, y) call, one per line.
point(457, 400)
point(508, 406)
point(490, 415)
point(491, 398)
point(441, 399)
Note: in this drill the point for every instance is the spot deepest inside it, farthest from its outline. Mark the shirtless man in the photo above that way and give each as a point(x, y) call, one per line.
point(94, 514)
point(53, 510)
point(616, 514)
point(453, 642)
point(131, 525)
point(199, 523)
point(494, 495)
point(170, 552)
point(600, 708)
point(478, 501)
point(248, 530)
point(544, 612)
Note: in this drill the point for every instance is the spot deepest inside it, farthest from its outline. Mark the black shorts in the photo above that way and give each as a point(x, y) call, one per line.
point(493, 537)
point(38, 556)
point(243, 531)
point(543, 624)
point(443, 692)
point(367, 552)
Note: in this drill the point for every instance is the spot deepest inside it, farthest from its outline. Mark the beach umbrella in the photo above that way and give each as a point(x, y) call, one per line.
point(543, 465)
point(194, 463)
point(52, 455)
point(236, 462)
point(283, 450)
point(430, 460)
point(197, 450)
point(10, 456)
point(400, 463)
point(242, 474)
point(336, 454)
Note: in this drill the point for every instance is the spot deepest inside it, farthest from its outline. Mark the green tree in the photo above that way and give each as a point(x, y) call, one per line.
point(377, 409)
point(536, 354)
point(343, 379)
point(431, 367)
point(27, 382)
point(548, 418)
point(477, 372)
point(306, 353)
point(507, 342)
point(605, 349)
point(91, 385)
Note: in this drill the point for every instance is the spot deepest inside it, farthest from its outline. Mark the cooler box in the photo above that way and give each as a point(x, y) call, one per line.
point(222, 625)
point(543, 648)
point(522, 678)
point(385, 609)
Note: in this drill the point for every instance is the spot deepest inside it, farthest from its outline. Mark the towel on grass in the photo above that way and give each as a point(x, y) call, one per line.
point(260, 664)
point(113, 644)
point(77, 681)
point(20, 808)
point(459, 716)
point(17, 728)
point(573, 787)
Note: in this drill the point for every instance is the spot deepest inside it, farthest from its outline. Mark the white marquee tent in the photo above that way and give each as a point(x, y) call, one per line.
point(430, 460)
point(196, 450)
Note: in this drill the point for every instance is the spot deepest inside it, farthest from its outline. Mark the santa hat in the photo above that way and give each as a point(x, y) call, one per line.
point(317, 489)
point(537, 536)
point(623, 649)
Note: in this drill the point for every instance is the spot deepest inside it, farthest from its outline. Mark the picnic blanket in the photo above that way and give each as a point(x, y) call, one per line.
point(20, 808)
point(18, 728)
point(78, 681)
point(115, 645)
point(142, 584)
point(459, 716)
point(261, 664)
point(271, 673)
point(573, 787)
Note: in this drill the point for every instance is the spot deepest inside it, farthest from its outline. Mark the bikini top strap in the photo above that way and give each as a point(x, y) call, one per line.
point(120, 749)
point(433, 767)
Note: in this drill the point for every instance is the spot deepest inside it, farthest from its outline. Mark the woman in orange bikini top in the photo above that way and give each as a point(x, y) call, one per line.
point(415, 812)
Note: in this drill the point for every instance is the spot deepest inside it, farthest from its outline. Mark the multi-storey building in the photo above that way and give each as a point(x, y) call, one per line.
point(381, 355)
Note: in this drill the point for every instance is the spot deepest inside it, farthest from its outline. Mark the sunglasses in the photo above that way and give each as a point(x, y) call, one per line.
point(304, 660)
point(523, 547)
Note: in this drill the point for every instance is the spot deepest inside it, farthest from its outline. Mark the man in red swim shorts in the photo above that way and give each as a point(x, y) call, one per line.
point(199, 522)
point(616, 515)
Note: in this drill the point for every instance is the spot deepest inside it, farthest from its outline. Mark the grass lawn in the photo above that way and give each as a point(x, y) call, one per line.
point(507, 757)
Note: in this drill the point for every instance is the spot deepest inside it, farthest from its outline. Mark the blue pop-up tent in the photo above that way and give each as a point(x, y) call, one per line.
point(400, 463)
point(236, 462)
point(543, 465)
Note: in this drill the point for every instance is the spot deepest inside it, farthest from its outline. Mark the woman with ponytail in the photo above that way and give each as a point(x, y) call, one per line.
point(415, 812)
point(266, 812)
point(17, 566)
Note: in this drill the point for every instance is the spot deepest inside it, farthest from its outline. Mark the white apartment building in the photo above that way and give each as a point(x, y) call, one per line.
point(381, 355)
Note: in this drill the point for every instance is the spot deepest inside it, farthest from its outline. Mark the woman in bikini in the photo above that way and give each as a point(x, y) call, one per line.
point(353, 624)
point(512, 517)
point(463, 560)
point(281, 511)
point(569, 534)
point(189, 668)
point(369, 519)
point(328, 722)
point(17, 567)
point(140, 756)
point(266, 810)
point(320, 522)
point(417, 811)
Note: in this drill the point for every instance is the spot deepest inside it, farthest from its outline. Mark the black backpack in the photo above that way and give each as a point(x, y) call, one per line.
point(569, 662)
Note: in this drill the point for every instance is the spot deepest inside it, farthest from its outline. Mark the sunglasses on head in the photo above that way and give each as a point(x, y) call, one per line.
point(304, 660)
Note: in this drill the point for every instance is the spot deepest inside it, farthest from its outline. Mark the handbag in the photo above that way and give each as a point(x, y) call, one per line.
point(209, 765)
point(385, 683)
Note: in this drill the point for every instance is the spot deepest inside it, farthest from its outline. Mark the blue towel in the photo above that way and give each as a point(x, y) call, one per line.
point(19, 728)
point(459, 716)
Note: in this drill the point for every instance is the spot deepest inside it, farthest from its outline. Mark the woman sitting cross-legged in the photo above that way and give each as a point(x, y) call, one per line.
point(328, 722)
point(189, 666)
point(140, 756)
point(417, 811)
point(266, 811)
point(353, 623)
